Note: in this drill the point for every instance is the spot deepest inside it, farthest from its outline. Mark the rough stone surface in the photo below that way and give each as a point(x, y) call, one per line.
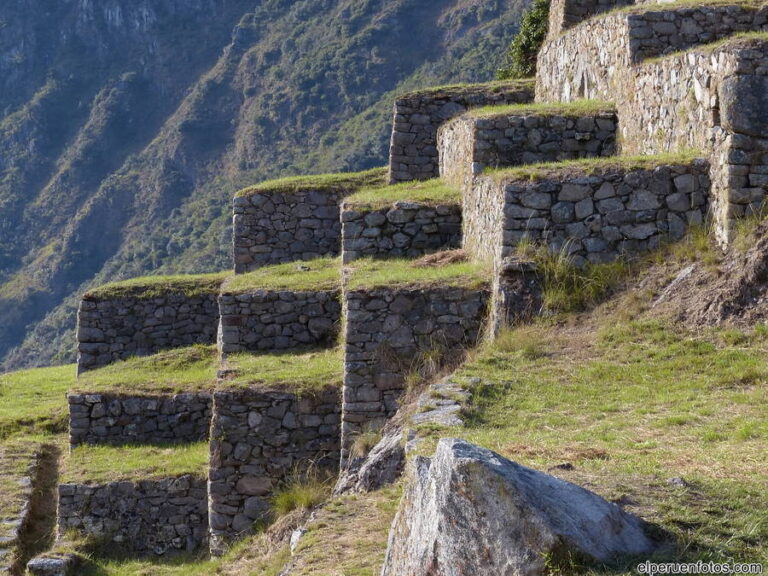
point(417, 116)
point(593, 217)
point(118, 419)
point(278, 320)
point(565, 14)
point(404, 229)
point(469, 144)
point(517, 293)
point(116, 329)
point(54, 565)
point(274, 227)
point(381, 467)
point(386, 331)
point(150, 517)
point(18, 506)
point(467, 510)
point(258, 439)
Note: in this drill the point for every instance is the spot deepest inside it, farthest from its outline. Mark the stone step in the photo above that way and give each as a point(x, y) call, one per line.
point(499, 137)
point(401, 221)
point(592, 210)
point(418, 115)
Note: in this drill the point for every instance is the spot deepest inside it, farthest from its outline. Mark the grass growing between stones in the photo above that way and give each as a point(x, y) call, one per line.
point(16, 460)
point(310, 276)
point(34, 401)
point(154, 286)
point(669, 421)
point(351, 180)
point(300, 372)
point(431, 192)
point(590, 166)
point(172, 371)
point(575, 108)
point(103, 464)
point(367, 273)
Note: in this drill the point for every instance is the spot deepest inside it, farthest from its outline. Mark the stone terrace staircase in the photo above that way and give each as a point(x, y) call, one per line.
point(480, 167)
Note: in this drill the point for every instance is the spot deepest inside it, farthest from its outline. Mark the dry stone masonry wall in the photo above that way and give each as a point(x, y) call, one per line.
point(387, 331)
point(403, 229)
point(413, 149)
point(278, 320)
point(470, 144)
point(109, 330)
point(273, 227)
point(594, 217)
point(565, 14)
point(258, 439)
point(118, 419)
point(150, 517)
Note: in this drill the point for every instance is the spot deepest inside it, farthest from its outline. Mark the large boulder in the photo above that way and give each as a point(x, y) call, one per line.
point(469, 512)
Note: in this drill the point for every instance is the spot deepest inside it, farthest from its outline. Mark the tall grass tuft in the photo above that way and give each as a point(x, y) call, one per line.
point(304, 490)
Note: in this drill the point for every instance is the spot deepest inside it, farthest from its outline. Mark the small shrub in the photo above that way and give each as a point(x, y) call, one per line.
point(365, 441)
point(304, 491)
point(520, 61)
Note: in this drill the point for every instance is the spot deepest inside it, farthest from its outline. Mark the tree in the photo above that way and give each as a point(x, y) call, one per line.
point(520, 61)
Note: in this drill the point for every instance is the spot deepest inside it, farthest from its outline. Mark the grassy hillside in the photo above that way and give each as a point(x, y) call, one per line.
point(121, 162)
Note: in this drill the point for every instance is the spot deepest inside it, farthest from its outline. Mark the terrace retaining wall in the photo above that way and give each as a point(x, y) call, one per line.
point(594, 217)
point(469, 144)
point(278, 320)
point(417, 116)
point(118, 419)
point(109, 330)
point(404, 229)
point(150, 517)
point(389, 333)
point(259, 438)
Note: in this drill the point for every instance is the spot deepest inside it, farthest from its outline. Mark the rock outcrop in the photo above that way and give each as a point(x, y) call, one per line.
point(468, 511)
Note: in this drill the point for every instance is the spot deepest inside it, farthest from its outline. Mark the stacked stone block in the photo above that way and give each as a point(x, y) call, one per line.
point(594, 216)
point(112, 329)
point(259, 438)
point(402, 229)
point(388, 331)
point(417, 116)
point(149, 517)
point(470, 144)
point(118, 419)
point(564, 14)
point(278, 320)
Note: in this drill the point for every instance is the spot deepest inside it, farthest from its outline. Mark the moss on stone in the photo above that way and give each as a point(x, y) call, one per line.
point(189, 369)
point(366, 274)
point(588, 166)
point(430, 192)
point(301, 372)
point(96, 465)
point(343, 180)
point(311, 275)
point(576, 108)
point(154, 286)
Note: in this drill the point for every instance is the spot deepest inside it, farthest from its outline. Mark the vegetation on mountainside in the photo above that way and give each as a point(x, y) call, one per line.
point(311, 276)
point(431, 192)
point(520, 60)
point(100, 464)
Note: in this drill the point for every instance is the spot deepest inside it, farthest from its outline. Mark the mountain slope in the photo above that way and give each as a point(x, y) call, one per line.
point(128, 129)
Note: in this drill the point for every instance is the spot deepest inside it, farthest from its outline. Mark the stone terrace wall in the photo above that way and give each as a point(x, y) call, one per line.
point(273, 227)
point(600, 216)
point(116, 329)
point(711, 101)
point(149, 517)
point(278, 320)
point(386, 331)
point(258, 439)
point(413, 148)
point(404, 229)
point(118, 419)
point(593, 59)
point(469, 144)
point(564, 14)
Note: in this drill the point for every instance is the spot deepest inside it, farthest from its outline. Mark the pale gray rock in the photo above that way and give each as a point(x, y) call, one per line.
point(468, 511)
